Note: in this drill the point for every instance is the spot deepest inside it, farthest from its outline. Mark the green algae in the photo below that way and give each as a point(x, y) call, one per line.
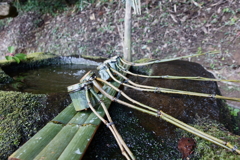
point(20, 115)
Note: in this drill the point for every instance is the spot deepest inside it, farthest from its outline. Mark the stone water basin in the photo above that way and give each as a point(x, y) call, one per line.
point(147, 136)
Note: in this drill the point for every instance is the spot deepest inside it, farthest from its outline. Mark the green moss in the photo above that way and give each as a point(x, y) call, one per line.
point(93, 57)
point(38, 57)
point(34, 60)
point(207, 150)
point(20, 115)
point(144, 60)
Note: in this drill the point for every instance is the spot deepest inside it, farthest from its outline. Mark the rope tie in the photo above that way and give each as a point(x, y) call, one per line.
point(119, 94)
point(109, 124)
point(100, 101)
point(159, 113)
point(126, 81)
point(156, 90)
point(234, 148)
point(212, 96)
point(114, 99)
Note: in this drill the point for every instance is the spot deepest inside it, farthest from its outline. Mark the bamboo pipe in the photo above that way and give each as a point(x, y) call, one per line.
point(126, 96)
point(166, 90)
point(172, 120)
point(176, 77)
point(153, 109)
point(120, 137)
point(165, 60)
point(111, 126)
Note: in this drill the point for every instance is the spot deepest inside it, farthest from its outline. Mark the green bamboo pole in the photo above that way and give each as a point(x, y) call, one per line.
point(62, 139)
point(33, 146)
point(54, 149)
point(79, 143)
point(66, 115)
point(165, 60)
point(176, 77)
point(172, 120)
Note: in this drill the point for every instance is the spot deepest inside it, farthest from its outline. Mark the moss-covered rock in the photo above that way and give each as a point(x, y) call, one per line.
point(20, 118)
point(33, 60)
point(206, 150)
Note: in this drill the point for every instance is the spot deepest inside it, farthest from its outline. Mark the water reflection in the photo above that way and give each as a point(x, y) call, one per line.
point(50, 79)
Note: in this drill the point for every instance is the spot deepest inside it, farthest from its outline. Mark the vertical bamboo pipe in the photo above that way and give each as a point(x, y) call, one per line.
point(127, 32)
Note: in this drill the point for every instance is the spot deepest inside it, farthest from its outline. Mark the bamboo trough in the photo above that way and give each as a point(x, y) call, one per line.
point(68, 135)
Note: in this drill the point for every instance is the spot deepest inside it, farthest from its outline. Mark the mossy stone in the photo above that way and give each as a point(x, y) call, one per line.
point(20, 115)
